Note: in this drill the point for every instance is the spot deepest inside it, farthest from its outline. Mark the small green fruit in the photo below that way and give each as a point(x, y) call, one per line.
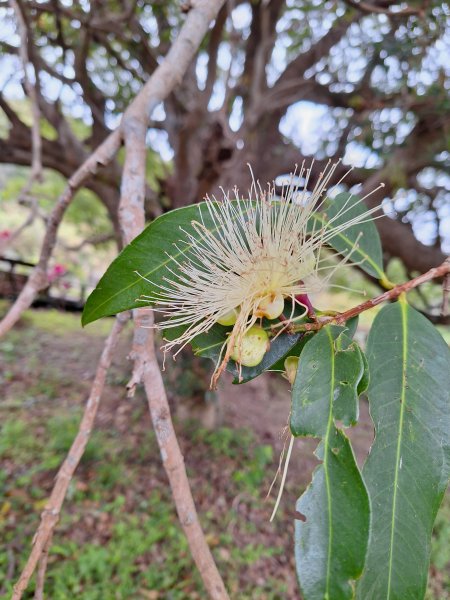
point(229, 318)
point(253, 347)
point(290, 367)
point(271, 306)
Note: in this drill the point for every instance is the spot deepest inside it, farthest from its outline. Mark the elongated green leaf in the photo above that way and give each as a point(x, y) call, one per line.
point(330, 545)
point(361, 241)
point(406, 472)
point(120, 287)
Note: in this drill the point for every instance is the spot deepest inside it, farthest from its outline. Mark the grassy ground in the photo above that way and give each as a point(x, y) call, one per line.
point(118, 537)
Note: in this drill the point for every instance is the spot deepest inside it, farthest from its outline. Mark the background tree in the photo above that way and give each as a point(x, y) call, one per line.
point(274, 83)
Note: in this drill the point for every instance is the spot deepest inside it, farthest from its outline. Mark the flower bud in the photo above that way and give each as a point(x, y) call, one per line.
point(290, 367)
point(271, 306)
point(229, 318)
point(252, 347)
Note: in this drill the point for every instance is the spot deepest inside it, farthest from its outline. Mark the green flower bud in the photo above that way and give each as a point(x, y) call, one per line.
point(252, 348)
point(229, 318)
point(290, 367)
point(271, 306)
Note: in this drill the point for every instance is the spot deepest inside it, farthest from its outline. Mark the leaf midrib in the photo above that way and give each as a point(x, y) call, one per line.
point(325, 464)
point(403, 306)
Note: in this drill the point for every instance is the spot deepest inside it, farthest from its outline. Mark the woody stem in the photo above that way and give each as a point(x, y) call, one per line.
point(389, 295)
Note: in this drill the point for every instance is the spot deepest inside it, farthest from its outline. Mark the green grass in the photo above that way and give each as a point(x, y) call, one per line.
point(136, 550)
point(119, 536)
point(55, 322)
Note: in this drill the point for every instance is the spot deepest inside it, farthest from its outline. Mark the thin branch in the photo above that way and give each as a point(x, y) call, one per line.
point(173, 462)
point(29, 220)
point(367, 7)
point(213, 52)
point(340, 318)
point(295, 70)
point(95, 240)
point(42, 568)
point(10, 567)
point(38, 279)
point(50, 515)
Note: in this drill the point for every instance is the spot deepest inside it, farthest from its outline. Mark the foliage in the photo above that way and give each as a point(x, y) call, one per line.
point(371, 530)
point(142, 265)
point(408, 468)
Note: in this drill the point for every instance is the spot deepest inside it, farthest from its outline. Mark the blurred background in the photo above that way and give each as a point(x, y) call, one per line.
point(275, 83)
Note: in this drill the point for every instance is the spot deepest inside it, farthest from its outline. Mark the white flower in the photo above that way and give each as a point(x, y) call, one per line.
point(259, 254)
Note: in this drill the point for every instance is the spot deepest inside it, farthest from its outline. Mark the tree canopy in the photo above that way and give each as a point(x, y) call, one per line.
point(274, 83)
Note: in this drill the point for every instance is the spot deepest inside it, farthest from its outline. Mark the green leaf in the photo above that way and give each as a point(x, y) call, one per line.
point(330, 367)
point(120, 287)
point(351, 326)
point(331, 544)
point(362, 240)
point(407, 470)
point(365, 379)
point(345, 341)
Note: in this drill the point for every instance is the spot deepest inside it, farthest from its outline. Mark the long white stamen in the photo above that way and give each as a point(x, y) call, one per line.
point(240, 251)
point(283, 479)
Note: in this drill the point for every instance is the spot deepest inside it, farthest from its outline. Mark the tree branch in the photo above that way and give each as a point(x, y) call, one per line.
point(146, 368)
point(367, 7)
point(213, 51)
point(38, 279)
point(392, 294)
point(295, 70)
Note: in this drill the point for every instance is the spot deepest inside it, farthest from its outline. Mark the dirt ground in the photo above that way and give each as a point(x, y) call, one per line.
point(49, 368)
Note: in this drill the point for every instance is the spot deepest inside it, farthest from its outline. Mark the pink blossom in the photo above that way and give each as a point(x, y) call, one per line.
point(56, 271)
